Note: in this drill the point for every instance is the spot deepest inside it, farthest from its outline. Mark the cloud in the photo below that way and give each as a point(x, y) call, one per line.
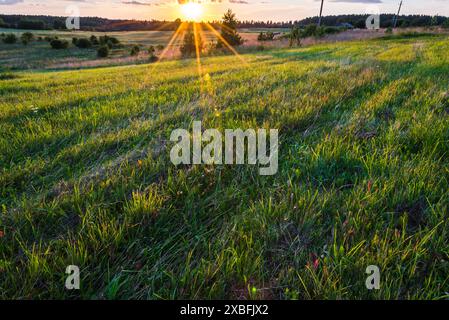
point(9, 2)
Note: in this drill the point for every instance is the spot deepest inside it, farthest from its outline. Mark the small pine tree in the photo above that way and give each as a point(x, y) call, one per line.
point(229, 30)
point(188, 47)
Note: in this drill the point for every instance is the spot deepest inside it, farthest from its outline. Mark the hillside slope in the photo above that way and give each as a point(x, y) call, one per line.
point(86, 177)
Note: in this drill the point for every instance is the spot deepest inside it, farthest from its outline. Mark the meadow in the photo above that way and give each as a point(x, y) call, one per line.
point(39, 54)
point(86, 177)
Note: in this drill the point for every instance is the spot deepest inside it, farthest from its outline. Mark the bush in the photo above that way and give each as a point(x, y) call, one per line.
point(10, 38)
point(83, 43)
point(59, 44)
point(135, 50)
point(109, 41)
point(7, 76)
point(310, 31)
point(295, 35)
point(94, 40)
point(151, 50)
point(389, 30)
point(153, 58)
point(103, 52)
point(27, 36)
point(333, 30)
point(266, 36)
point(160, 47)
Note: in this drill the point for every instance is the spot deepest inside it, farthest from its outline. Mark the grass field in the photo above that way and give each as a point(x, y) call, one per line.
point(39, 54)
point(363, 177)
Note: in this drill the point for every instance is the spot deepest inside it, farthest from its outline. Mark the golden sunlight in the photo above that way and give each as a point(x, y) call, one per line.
point(192, 11)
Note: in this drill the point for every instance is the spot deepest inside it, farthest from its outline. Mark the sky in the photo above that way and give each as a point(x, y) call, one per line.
point(275, 10)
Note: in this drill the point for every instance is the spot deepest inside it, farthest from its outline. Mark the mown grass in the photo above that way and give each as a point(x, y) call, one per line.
point(363, 173)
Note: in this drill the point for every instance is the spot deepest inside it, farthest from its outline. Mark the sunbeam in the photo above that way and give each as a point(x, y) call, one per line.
point(219, 36)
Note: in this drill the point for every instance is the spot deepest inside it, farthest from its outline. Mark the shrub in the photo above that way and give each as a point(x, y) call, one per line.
point(266, 36)
point(27, 37)
point(295, 36)
point(109, 41)
point(333, 30)
point(135, 50)
point(7, 76)
point(389, 30)
point(153, 58)
point(151, 50)
point(310, 30)
point(103, 51)
point(160, 47)
point(59, 44)
point(83, 43)
point(94, 40)
point(10, 38)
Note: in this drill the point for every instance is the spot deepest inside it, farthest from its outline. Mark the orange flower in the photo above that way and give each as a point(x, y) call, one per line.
point(370, 184)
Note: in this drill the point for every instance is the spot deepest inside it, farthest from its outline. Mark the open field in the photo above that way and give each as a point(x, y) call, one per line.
point(363, 177)
point(39, 55)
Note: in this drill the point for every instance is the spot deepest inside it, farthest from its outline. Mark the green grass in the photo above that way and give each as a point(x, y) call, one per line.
point(363, 177)
point(38, 55)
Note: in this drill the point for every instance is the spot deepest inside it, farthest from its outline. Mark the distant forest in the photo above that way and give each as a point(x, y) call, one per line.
point(102, 24)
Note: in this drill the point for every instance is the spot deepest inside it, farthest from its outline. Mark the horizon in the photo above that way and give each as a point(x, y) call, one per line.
point(284, 10)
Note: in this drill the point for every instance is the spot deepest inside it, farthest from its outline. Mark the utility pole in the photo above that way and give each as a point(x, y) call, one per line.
point(397, 16)
point(321, 13)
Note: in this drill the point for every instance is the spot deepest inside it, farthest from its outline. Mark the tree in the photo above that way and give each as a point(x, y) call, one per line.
point(295, 36)
point(26, 37)
point(3, 24)
point(446, 24)
point(10, 38)
point(229, 30)
point(188, 47)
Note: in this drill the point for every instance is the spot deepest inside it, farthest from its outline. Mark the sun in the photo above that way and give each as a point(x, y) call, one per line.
point(192, 10)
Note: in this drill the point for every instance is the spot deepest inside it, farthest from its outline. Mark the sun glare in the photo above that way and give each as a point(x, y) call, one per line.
point(192, 10)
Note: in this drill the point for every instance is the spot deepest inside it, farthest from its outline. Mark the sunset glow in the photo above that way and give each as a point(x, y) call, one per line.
point(192, 11)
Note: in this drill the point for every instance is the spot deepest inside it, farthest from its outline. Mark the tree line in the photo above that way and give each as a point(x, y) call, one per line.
point(102, 24)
